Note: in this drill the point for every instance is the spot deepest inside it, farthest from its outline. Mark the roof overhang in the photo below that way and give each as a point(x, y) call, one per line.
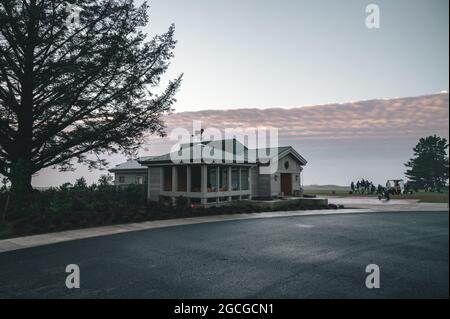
point(154, 161)
point(294, 153)
point(127, 170)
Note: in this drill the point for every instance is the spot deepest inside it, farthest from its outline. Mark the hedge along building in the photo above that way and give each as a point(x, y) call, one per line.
point(230, 171)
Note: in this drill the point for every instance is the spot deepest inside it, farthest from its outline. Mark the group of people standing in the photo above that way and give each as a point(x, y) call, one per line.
point(363, 187)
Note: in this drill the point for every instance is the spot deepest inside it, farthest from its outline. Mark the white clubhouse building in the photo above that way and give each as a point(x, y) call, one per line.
point(237, 173)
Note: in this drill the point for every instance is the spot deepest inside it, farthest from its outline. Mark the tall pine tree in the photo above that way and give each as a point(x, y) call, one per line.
point(429, 167)
point(68, 89)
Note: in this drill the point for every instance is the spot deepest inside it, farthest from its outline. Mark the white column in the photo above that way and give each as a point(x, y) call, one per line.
point(217, 178)
point(229, 181)
point(301, 178)
point(174, 182)
point(204, 183)
point(174, 179)
point(217, 182)
point(250, 182)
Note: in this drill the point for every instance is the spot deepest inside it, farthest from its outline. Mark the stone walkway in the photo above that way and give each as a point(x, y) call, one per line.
point(375, 204)
point(356, 205)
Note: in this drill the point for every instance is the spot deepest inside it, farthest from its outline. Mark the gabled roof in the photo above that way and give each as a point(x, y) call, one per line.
point(222, 144)
point(270, 152)
point(191, 149)
point(130, 165)
point(281, 151)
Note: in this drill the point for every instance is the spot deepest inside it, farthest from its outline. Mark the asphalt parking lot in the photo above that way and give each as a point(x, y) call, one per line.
point(286, 257)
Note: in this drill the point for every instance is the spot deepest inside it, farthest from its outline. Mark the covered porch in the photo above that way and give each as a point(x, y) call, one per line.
point(206, 184)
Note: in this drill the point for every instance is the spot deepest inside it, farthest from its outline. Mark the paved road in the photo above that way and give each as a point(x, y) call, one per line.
point(287, 257)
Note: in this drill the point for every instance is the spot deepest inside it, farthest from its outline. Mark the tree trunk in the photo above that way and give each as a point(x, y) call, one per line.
point(21, 189)
point(21, 169)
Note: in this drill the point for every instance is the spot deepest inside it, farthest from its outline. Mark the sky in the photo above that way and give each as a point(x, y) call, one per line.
point(352, 100)
point(267, 53)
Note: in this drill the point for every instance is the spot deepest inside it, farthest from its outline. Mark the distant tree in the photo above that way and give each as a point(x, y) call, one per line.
point(429, 167)
point(71, 89)
point(65, 187)
point(105, 180)
point(80, 184)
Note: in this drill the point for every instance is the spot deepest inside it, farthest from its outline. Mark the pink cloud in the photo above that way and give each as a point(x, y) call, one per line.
point(383, 118)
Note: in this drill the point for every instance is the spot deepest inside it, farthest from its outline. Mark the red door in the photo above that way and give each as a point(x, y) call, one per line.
point(286, 184)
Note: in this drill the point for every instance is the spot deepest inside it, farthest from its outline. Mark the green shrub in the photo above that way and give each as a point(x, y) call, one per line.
point(58, 205)
point(78, 206)
point(5, 231)
point(181, 201)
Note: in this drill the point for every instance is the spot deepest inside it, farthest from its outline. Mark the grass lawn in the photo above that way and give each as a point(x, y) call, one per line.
point(425, 197)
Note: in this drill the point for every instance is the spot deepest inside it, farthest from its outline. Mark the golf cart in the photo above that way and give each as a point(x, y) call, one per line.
point(395, 186)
